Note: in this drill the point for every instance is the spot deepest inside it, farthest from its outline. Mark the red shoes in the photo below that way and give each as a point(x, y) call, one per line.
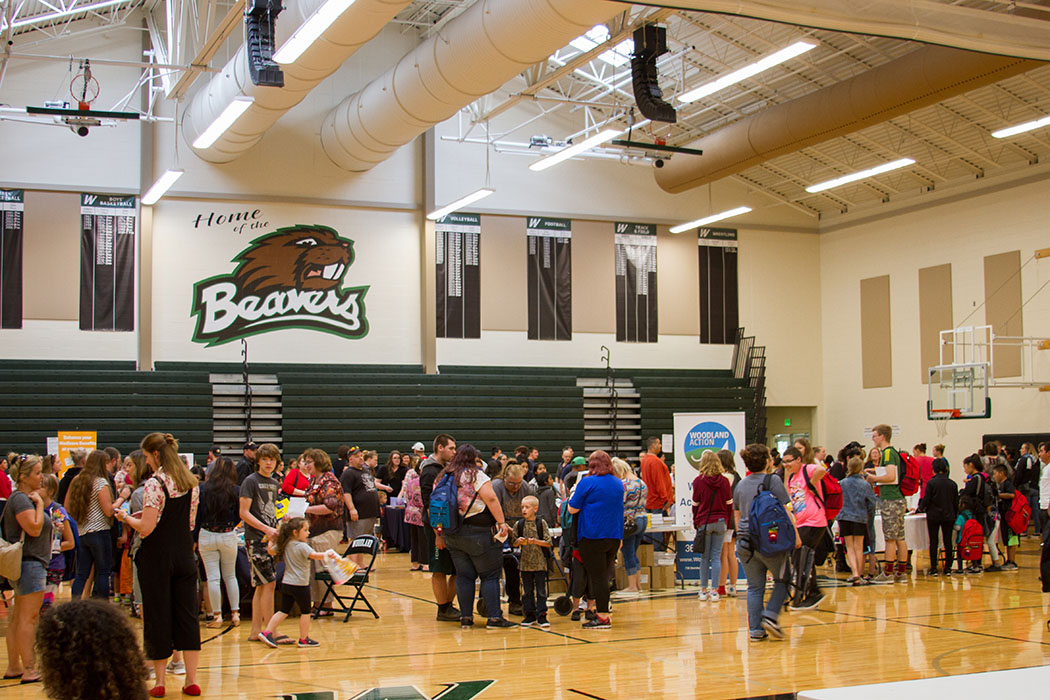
point(156, 691)
point(194, 690)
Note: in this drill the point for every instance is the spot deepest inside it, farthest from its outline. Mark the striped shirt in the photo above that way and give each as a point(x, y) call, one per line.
point(96, 520)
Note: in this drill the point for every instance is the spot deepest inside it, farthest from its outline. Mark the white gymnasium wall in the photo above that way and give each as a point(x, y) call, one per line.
point(386, 248)
point(961, 233)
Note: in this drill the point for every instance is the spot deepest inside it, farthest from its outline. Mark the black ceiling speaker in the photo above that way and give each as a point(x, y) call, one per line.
point(260, 20)
point(650, 42)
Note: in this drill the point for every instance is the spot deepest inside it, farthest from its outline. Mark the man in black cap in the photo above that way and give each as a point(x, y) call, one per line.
point(246, 465)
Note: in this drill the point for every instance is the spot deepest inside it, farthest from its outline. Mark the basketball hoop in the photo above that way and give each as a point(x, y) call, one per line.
point(940, 418)
point(84, 88)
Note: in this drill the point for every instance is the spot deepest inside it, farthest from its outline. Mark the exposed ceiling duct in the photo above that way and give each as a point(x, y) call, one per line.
point(921, 78)
point(473, 55)
point(357, 25)
point(1006, 30)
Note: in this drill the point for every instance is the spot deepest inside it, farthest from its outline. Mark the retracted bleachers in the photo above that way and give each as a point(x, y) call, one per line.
point(382, 407)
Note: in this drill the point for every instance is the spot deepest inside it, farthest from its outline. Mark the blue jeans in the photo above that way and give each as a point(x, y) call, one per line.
point(534, 600)
point(476, 555)
point(755, 568)
point(95, 548)
point(630, 547)
point(711, 559)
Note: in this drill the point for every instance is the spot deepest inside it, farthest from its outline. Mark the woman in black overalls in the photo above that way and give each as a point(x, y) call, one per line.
point(166, 564)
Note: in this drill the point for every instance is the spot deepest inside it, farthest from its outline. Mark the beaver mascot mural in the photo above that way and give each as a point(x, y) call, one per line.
point(291, 278)
point(301, 257)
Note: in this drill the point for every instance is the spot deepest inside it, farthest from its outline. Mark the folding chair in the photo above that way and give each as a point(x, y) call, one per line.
point(362, 544)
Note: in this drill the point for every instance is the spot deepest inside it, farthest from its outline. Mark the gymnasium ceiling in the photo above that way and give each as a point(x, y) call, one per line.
point(951, 141)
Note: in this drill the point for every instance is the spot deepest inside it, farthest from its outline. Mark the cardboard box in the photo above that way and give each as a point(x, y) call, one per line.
point(645, 554)
point(645, 578)
point(662, 577)
point(621, 577)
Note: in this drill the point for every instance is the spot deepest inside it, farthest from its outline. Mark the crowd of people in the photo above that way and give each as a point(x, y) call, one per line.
point(162, 537)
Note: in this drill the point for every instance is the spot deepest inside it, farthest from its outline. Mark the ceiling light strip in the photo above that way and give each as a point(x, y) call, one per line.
point(1021, 128)
point(311, 30)
point(728, 214)
point(76, 10)
point(224, 121)
point(161, 186)
point(853, 177)
point(764, 64)
point(460, 203)
point(575, 149)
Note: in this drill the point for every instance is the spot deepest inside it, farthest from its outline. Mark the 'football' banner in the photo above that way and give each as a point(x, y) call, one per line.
point(458, 276)
point(107, 262)
point(550, 278)
point(719, 294)
point(12, 206)
point(636, 319)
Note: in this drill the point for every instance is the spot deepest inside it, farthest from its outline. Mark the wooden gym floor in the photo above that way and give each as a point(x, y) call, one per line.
point(667, 646)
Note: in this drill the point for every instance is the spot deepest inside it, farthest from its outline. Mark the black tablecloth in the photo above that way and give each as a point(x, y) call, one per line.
point(395, 531)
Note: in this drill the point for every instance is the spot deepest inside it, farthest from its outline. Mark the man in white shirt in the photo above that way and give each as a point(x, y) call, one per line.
point(1044, 485)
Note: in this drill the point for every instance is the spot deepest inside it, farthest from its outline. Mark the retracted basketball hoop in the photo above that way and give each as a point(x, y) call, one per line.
point(84, 88)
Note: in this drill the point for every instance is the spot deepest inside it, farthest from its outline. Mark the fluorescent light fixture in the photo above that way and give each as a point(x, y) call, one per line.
point(460, 203)
point(1021, 128)
point(729, 213)
point(307, 34)
point(853, 177)
point(59, 14)
point(224, 121)
point(575, 149)
point(161, 186)
point(796, 49)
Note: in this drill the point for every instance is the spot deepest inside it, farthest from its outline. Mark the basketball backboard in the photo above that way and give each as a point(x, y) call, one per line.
point(959, 391)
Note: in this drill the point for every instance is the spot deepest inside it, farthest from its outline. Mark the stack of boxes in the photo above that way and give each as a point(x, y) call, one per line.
point(657, 572)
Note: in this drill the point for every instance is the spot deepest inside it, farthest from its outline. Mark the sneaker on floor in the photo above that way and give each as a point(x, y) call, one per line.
point(177, 667)
point(933, 572)
point(702, 595)
point(948, 572)
point(542, 620)
point(448, 615)
point(499, 623)
point(591, 615)
point(267, 639)
point(308, 643)
point(730, 589)
point(576, 615)
point(807, 604)
point(758, 637)
point(1010, 566)
point(882, 579)
point(713, 597)
point(515, 609)
point(772, 628)
point(626, 594)
point(721, 590)
point(994, 568)
point(974, 570)
point(466, 622)
point(598, 623)
point(900, 578)
point(529, 621)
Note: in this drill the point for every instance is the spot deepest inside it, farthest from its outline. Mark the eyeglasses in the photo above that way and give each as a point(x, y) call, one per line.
point(789, 461)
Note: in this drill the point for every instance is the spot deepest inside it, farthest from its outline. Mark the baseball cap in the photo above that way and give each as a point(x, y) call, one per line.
point(579, 460)
point(250, 446)
point(353, 450)
point(418, 446)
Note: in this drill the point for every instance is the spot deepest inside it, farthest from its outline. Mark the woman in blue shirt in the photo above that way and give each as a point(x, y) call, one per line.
point(597, 504)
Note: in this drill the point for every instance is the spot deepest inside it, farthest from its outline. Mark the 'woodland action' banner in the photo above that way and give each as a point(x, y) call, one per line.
point(719, 293)
point(550, 278)
point(636, 318)
point(12, 206)
point(458, 276)
point(107, 262)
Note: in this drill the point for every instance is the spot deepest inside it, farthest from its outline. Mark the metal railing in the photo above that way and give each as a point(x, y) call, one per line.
point(749, 363)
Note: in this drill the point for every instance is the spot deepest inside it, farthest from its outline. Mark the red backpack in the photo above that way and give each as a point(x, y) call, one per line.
point(1019, 515)
point(908, 474)
point(832, 500)
point(971, 542)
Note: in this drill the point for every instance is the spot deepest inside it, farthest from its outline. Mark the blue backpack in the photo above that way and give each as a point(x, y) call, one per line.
point(444, 505)
point(770, 531)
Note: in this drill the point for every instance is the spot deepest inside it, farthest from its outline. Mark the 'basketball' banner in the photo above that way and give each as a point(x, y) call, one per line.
point(636, 319)
point(107, 262)
point(719, 294)
point(12, 206)
point(550, 278)
point(458, 276)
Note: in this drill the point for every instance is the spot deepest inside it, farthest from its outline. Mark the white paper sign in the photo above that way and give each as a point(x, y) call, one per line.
point(696, 433)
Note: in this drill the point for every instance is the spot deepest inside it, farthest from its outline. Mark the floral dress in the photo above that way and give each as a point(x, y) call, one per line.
point(413, 498)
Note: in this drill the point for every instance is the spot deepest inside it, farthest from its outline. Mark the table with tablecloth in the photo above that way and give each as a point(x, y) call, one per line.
point(395, 529)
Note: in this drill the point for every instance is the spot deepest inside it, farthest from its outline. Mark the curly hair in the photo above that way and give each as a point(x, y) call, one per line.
point(68, 643)
point(286, 534)
point(82, 488)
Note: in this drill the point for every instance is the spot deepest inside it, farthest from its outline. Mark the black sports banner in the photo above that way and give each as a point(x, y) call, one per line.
point(550, 278)
point(107, 262)
point(636, 318)
point(12, 207)
point(458, 276)
point(719, 295)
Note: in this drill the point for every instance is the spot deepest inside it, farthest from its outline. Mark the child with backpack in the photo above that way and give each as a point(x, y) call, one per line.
point(766, 534)
point(982, 490)
point(940, 502)
point(533, 536)
point(1011, 507)
point(969, 536)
